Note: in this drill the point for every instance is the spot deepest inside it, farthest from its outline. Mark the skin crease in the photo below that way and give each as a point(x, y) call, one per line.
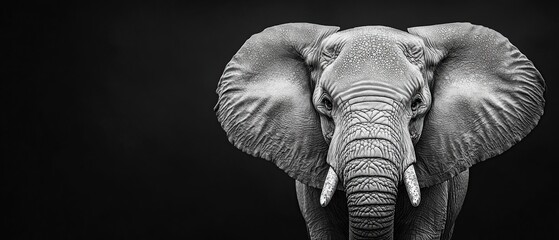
point(454, 94)
point(365, 95)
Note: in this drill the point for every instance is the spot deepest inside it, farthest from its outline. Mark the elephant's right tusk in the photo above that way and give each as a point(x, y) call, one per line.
point(412, 186)
point(329, 187)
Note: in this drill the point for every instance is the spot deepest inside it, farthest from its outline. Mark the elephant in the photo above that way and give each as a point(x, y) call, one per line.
point(359, 116)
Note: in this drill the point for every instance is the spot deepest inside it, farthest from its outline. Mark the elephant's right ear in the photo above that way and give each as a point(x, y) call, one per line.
point(265, 105)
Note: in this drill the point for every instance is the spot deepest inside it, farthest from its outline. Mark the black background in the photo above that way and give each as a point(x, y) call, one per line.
point(108, 129)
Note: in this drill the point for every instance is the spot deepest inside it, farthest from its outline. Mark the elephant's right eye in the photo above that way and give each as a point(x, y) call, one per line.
point(327, 104)
point(415, 104)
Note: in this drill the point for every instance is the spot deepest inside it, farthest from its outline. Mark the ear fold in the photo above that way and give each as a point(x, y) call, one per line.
point(265, 105)
point(487, 96)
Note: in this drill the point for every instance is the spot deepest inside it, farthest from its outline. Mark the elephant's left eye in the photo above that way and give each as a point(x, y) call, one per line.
point(327, 104)
point(416, 103)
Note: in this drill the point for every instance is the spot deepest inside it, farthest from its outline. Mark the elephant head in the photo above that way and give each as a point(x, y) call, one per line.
point(374, 107)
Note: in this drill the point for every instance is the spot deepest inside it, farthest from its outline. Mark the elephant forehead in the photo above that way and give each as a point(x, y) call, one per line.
point(370, 57)
point(370, 53)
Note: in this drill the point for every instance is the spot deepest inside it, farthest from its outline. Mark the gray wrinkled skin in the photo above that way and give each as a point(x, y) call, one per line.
point(371, 102)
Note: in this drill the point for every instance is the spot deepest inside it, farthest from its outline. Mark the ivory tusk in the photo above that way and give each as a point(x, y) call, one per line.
point(329, 187)
point(412, 186)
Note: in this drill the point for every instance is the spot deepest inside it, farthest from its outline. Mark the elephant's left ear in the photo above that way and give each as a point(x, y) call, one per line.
point(487, 96)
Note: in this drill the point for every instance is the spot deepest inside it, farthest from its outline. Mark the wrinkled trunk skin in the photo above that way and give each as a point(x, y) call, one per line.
point(371, 198)
point(371, 155)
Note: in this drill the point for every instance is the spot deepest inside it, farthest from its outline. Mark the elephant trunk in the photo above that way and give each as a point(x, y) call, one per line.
point(371, 189)
point(371, 152)
point(372, 157)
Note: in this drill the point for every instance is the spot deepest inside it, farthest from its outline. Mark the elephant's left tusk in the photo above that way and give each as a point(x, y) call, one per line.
point(412, 186)
point(329, 187)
